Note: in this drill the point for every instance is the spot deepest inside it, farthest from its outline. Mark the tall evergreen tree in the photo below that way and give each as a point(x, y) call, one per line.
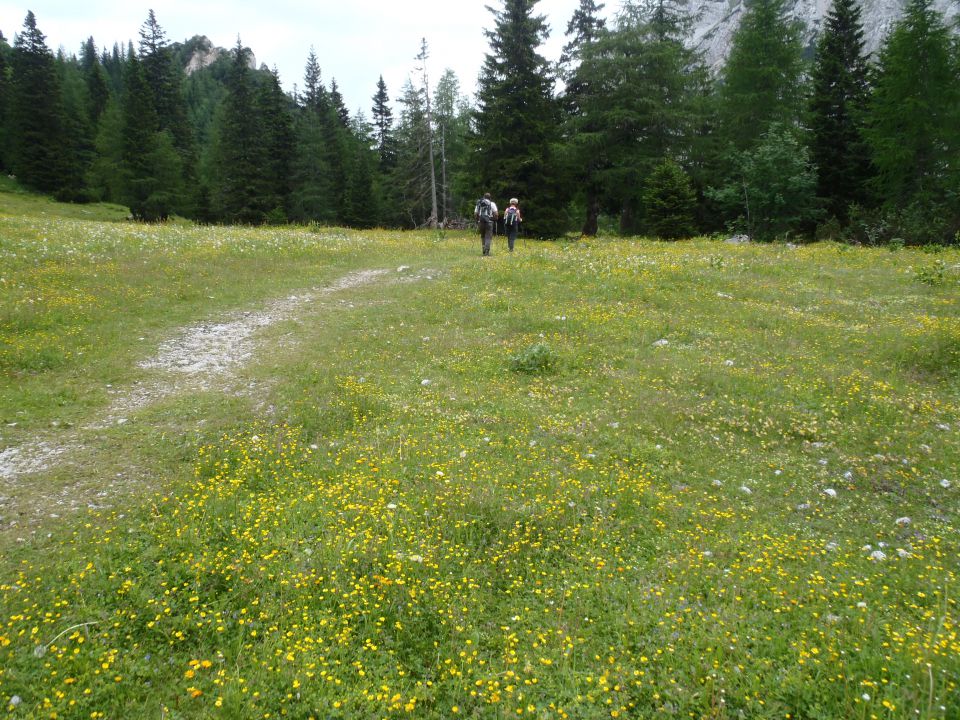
point(4, 104)
point(273, 109)
point(383, 126)
point(585, 28)
point(639, 87)
point(517, 124)
point(761, 81)
point(912, 128)
point(98, 91)
point(79, 129)
point(314, 93)
point(313, 198)
point(238, 193)
point(410, 187)
point(36, 121)
point(452, 119)
point(143, 192)
point(336, 100)
point(166, 79)
point(837, 108)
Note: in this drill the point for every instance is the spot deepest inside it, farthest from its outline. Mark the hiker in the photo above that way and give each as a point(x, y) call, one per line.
point(486, 216)
point(511, 222)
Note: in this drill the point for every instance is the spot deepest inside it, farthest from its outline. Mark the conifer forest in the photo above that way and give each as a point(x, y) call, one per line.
point(629, 132)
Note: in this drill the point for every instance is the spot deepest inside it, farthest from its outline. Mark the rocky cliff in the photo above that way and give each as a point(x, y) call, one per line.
point(716, 20)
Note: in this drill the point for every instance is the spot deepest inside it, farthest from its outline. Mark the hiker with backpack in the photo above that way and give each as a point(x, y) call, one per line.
point(511, 222)
point(486, 216)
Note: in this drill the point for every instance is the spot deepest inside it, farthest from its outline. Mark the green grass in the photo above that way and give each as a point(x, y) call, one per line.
point(490, 493)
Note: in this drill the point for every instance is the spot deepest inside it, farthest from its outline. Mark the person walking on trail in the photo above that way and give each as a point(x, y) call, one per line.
point(486, 215)
point(511, 222)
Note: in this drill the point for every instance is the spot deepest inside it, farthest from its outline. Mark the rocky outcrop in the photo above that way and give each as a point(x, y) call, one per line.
point(716, 20)
point(200, 53)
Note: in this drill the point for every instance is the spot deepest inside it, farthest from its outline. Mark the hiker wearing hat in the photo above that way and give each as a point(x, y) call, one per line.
point(511, 222)
point(486, 215)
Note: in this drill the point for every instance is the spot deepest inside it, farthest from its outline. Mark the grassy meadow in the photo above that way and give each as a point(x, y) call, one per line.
point(604, 478)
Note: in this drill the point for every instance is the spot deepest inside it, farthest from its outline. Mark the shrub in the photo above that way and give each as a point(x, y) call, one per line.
point(536, 359)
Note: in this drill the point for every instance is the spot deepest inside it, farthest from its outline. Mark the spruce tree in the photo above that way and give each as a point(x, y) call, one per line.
point(98, 91)
point(336, 100)
point(670, 202)
point(79, 130)
point(517, 124)
point(912, 128)
point(383, 126)
point(637, 106)
point(837, 108)
point(4, 104)
point(36, 122)
point(272, 106)
point(312, 194)
point(584, 29)
point(238, 194)
point(410, 186)
point(140, 127)
point(452, 119)
point(761, 81)
point(165, 79)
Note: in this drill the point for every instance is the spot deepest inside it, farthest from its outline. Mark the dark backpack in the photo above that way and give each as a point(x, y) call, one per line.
point(511, 216)
point(484, 209)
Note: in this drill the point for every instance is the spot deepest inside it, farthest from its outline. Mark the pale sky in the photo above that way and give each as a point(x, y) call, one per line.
point(355, 41)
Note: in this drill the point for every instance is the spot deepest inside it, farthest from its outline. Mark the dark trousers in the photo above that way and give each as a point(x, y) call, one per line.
point(511, 236)
point(486, 235)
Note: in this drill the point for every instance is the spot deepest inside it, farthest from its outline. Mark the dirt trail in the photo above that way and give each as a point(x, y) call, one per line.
point(201, 357)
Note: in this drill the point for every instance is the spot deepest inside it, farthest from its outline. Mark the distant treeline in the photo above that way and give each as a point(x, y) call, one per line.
point(628, 132)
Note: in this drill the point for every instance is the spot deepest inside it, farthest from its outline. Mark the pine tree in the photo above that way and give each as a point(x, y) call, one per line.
point(761, 81)
point(313, 198)
point(912, 128)
point(383, 126)
point(78, 130)
point(314, 93)
point(410, 186)
point(637, 106)
point(238, 194)
point(38, 147)
point(336, 100)
point(517, 124)
point(361, 204)
point(273, 109)
point(98, 91)
point(670, 202)
point(140, 127)
point(4, 104)
point(165, 79)
point(452, 118)
point(584, 29)
point(837, 108)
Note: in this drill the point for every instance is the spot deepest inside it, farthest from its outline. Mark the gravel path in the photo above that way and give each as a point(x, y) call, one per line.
point(200, 357)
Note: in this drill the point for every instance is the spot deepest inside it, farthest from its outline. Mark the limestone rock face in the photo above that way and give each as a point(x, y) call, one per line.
point(202, 53)
point(716, 20)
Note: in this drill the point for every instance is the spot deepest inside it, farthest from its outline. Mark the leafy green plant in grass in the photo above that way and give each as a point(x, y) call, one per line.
point(534, 360)
point(934, 275)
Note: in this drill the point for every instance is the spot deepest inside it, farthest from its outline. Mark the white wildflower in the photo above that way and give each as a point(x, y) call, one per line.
point(903, 521)
point(878, 555)
point(831, 492)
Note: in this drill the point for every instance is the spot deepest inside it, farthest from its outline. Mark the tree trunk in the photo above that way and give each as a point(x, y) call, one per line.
point(593, 215)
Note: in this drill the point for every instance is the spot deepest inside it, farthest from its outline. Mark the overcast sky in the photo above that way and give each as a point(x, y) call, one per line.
point(355, 41)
